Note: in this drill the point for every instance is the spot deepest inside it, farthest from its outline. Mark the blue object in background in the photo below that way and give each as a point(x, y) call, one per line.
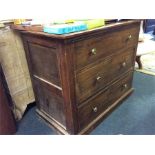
point(149, 25)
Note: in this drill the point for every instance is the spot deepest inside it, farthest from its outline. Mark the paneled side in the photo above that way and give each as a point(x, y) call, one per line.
point(44, 62)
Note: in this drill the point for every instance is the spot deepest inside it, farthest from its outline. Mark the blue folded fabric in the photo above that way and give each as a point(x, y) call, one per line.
point(64, 28)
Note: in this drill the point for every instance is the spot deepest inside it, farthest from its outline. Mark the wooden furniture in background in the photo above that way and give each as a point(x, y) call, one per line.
point(79, 77)
point(7, 121)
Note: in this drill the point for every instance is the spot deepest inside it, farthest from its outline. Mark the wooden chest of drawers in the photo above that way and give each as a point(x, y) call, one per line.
point(79, 77)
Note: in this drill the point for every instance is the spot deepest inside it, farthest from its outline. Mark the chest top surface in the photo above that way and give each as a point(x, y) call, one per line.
point(108, 27)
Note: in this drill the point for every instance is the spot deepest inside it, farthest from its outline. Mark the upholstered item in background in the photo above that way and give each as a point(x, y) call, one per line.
point(15, 68)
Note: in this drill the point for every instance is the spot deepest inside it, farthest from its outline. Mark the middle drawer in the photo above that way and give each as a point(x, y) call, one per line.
point(93, 79)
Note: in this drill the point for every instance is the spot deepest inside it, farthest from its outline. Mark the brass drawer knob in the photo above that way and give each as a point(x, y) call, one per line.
point(124, 64)
point(98, 78)
point(130, 37)
point(125, 86)
point(93, 51)
point(95, 109)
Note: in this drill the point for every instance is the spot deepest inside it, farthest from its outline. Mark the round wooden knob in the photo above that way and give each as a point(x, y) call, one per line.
point(95, 109)
point(93, 51)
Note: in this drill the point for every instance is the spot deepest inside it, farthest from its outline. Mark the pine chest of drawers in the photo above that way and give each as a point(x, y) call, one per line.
point(79, 77)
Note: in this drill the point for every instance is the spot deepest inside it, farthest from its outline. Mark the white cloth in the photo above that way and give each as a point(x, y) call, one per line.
point(147, 46)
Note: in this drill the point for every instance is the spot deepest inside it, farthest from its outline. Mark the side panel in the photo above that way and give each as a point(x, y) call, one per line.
point(43, 61)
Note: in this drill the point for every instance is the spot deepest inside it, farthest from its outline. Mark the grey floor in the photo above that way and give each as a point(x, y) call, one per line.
point(135, 116)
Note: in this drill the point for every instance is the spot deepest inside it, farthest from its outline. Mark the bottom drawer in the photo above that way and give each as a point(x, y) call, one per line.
point(93, 107)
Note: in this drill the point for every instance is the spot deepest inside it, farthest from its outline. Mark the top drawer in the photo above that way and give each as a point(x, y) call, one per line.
point(90, 50)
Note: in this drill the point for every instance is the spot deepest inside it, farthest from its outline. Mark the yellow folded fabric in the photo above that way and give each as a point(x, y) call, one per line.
point(94, 23)
point(1, 25)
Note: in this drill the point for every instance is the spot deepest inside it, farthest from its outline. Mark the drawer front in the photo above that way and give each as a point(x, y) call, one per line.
point(91, 50)
point(120, 87)
point(92, 108)
point(50, 102)
point(93, 79)
point(102, 101)
point(44, 62)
